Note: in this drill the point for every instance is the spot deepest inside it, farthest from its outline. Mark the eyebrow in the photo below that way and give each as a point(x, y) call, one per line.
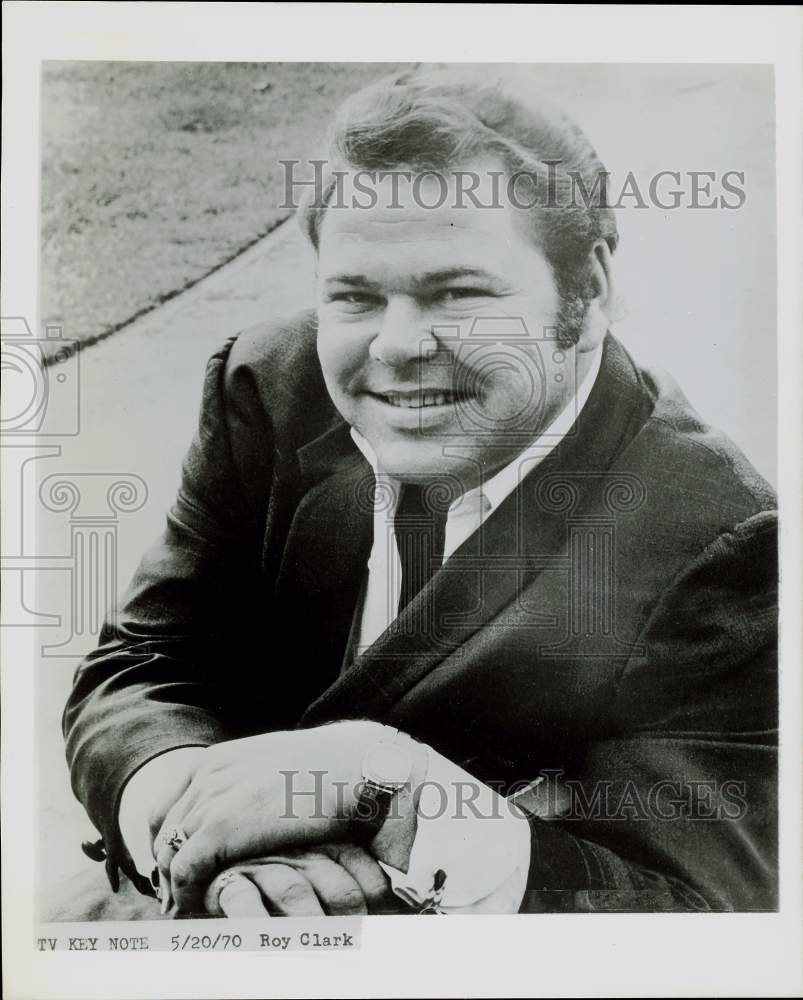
point(349, 279)
point(432, 278)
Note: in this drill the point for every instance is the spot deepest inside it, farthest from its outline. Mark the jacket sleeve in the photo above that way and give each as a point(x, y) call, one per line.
point(153, 682)
point(678, 811)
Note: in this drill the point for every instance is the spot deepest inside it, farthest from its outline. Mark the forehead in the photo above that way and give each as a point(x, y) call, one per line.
point(400, 223)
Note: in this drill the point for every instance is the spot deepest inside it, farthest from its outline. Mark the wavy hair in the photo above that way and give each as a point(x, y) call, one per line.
point(442, 119)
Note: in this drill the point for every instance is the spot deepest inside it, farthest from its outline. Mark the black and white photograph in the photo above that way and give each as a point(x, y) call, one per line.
point(391, 475)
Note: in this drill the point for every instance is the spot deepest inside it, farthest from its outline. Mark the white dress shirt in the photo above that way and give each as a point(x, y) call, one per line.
point(448, 837)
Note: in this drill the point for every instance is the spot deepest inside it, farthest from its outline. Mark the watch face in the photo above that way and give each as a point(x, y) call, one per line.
point(387, 764)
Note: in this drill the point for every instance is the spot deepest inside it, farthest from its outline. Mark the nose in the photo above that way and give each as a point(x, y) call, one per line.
point(403, 334)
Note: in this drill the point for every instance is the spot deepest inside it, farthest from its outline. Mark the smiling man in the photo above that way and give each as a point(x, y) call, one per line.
point(458, 608)
point(403, 289)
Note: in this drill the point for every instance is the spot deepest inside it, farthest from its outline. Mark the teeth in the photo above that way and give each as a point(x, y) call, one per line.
point(417, 402)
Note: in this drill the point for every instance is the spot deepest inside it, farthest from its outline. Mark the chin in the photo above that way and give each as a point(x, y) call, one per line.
point(422, 460)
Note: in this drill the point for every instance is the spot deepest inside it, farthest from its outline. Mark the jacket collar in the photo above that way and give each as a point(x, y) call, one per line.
point(331, 452)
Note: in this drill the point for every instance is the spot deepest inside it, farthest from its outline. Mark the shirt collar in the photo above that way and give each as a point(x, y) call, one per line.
point(494, 490)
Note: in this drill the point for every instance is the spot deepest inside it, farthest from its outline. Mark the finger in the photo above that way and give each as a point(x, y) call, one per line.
point(193, 867)
point(171, 833)
point(337, 890)
point(164, 857)
point(339, 893)
point(165, 896)
point(365, 870)
point(287, 892)
point(233, 894)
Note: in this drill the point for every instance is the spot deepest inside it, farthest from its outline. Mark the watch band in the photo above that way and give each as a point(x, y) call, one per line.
point(387, 767)
point(371, 811)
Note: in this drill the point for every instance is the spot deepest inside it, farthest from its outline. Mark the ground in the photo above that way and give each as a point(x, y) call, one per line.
point(153, 174)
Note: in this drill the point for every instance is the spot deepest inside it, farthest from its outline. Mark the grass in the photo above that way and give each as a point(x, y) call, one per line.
point(154, 174)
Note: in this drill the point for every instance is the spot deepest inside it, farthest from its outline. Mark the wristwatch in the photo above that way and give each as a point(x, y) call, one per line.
point(386, 768)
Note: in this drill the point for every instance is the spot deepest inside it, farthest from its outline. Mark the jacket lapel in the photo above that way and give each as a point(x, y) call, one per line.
point(493, 566)
point(324, 561)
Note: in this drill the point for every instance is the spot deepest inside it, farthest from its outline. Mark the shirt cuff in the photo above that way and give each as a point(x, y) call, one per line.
point(478, 838)
point(140, 792)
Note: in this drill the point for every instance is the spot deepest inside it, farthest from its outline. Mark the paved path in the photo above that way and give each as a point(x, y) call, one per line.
point(140, 391)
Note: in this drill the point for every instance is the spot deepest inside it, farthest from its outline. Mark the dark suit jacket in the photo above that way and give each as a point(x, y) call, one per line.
point(614, 619)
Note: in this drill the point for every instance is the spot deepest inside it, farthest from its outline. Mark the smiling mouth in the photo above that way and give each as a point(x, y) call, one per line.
point(420, 398)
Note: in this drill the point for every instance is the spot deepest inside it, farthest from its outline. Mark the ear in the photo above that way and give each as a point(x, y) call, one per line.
point(600, 307)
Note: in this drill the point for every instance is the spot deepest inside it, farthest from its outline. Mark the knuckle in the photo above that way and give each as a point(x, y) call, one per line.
point(312, 857)
point(220, 881)
point(181, 872)
point(351, 898)
point(346, 853)
point(293, 891)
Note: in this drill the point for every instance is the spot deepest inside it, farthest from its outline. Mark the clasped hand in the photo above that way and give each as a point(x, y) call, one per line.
point(261, 804)
point(336, 879)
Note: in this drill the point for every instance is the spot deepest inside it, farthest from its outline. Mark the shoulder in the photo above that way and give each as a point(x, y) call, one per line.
point(270, 372)
point(275, 344)
point(694, 470)
point(276, 355)
point(696, 487)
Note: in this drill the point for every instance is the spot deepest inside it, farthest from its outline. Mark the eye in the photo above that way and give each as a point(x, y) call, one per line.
point(462, 293)
point(354, 301)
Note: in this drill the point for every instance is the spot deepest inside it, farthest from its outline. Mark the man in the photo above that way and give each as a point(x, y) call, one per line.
point(455, 600)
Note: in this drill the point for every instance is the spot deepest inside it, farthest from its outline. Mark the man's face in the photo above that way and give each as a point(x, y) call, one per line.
point(437, 327)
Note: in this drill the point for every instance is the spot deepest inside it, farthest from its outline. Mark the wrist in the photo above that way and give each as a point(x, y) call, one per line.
point(345, 776)
point(393, 843)
point(385, 818)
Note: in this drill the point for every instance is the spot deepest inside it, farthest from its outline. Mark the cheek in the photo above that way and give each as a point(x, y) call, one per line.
point(342, 351)
point(511, 381)
point(538, 310)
